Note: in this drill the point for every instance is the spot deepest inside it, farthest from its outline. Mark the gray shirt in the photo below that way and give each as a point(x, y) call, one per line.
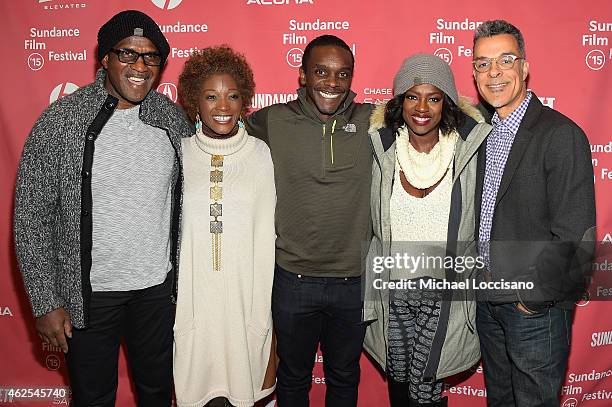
point(131, 189)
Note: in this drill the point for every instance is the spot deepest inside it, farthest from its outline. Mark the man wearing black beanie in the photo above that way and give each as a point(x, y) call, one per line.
point(98, 199)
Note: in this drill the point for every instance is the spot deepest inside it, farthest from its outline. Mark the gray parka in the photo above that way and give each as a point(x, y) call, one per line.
point(455, 345)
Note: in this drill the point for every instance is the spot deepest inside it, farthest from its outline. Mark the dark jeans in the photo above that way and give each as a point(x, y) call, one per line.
point(524, 356)
point(307, 310)
point(144, 318)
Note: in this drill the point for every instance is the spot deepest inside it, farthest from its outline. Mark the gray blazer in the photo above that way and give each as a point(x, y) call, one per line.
point(544, 210)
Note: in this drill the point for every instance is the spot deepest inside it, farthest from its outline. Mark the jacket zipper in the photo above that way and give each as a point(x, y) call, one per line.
point(174, 230)
point(323, 155)
point(93, 130)
point(331, 141)
point(428, 375)
point(331, 146)
point(382, 302)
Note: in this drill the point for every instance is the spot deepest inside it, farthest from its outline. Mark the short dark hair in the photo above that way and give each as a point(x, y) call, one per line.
point(325, 40)
point(497, 27)
point(452, 116)
point(211, 61)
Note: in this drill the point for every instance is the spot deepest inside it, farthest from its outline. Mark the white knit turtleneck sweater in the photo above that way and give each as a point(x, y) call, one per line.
point(223, 322)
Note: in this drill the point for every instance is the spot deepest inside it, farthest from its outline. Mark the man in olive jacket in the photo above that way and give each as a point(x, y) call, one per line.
point(322, 165)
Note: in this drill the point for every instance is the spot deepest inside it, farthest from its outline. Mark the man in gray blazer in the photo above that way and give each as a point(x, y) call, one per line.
point(535, 203)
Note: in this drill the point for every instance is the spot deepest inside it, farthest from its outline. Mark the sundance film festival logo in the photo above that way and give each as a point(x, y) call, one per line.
point(448, 37)
point(62, 90)
point(294, 57)
point(36, 61)
point(571, 402)
point(53, 362)
point(167, 4)
point(56, 5)
point(596, 59)
point(444, 54)
point(597, 37)
point(168, 89)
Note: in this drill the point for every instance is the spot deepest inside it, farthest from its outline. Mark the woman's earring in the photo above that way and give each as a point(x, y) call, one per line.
point(240, 123)
point(198, 124)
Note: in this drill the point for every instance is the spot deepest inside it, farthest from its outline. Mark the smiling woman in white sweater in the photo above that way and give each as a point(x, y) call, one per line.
point(223, 333)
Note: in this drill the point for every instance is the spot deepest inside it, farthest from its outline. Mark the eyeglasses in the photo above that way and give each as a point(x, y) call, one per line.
point(129, 56)
point(504, 62)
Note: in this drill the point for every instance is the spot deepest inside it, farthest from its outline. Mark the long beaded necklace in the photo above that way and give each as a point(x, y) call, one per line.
point(216, 208)
point(225, 147)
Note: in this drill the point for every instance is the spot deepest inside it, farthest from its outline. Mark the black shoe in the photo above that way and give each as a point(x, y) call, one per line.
point(399, 393)
point(219, 402)
point(443, 402)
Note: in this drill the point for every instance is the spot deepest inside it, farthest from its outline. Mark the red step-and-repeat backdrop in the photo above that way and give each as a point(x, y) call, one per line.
point(48, 49)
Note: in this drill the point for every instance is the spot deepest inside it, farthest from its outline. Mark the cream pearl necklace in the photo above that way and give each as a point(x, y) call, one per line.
point(423, 170)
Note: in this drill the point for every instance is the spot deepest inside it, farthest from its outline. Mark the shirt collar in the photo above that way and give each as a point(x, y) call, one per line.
point(513, 121)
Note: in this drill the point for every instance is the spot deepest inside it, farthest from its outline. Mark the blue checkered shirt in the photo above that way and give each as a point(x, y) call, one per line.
point(498, 148)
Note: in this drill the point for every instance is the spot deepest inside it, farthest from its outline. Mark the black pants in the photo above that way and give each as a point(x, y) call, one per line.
point(144, 318)
point(307, 310)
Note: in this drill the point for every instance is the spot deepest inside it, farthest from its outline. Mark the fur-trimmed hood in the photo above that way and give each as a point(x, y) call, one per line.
point(377, 119)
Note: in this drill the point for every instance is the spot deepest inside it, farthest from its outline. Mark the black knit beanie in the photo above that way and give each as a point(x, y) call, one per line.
point(129, 23)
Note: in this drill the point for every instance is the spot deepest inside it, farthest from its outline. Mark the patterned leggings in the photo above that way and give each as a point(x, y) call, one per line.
point(413, 319)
